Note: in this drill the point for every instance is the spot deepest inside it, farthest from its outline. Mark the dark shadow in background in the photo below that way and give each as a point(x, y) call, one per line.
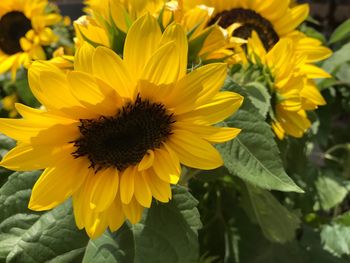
point(72, 9)
point(329, 13)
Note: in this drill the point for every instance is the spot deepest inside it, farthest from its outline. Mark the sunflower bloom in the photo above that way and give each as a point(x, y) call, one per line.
point(115, 131)
point(24, 30)
point(215, 43)
point(271, 20)
point(208, 43)
point(292, 90)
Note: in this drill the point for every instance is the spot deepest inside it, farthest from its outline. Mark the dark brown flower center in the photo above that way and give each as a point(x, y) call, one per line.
point(250, 21)
point(13, 26)
point(123, 140)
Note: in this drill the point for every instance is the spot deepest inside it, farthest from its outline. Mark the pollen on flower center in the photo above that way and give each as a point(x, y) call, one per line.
point(13, 26)
point(250, 21)
point(123, 140)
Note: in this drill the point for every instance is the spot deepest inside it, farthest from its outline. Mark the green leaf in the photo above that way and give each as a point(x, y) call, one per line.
point(341, 33)
point(253, 155)
point(6, 144)
point(24, 92)
point(196, 44)
point(336, 239)
point(331, 191)
point(28, 236)
point(343, 219)
point(167, 233)
point(311, 32)
point(259, 96)
point(333, 64)
point(277, 223)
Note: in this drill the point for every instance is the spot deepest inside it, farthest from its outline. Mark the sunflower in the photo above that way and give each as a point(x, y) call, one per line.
point(122, 12)
point(114, 131)
point(215, 44)
point(271, 20)
point(292, 88)
point(107, 22)
point(23, 31)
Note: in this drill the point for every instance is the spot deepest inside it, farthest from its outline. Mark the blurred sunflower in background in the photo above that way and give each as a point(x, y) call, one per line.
point(271, 20)
point(24, 30)
point(114, 131)
point(108, 21)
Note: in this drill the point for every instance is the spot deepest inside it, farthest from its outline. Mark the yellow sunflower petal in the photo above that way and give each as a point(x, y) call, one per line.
point(6, 64)
point(194, 151)
point(210, 133)
point(88, 92)
point(28, 131)
point(83, 58)
point(294, 123)
point(143, 194)
point(108, 66)
point(311, 97)
point(147, 161)
point(165, 167)
point(278, 129)
point(218, 109)
point(21, 130)
point(96, 224)
point(127, 180)
point(26, 157)
point(59, 96)
point(176, 33)
point(104, 190)
point(133, 211)
point(81, 201)
point(160, 189)
point(293, 19)
point(197, 87)
point(164, 66)
point(116, 216)
point(176, 161)
point(141, 42)
point(41, 115)
point(314, 72)
point(58, 183)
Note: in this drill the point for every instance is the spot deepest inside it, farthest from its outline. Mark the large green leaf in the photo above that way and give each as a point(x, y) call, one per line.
point(167, 233)
point(277, 223)
point(27, 236)
point(254, 155)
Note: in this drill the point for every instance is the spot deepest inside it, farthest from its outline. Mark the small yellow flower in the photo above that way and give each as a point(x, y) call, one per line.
point(24, 30)
point(8, 103)
point(115, 131)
